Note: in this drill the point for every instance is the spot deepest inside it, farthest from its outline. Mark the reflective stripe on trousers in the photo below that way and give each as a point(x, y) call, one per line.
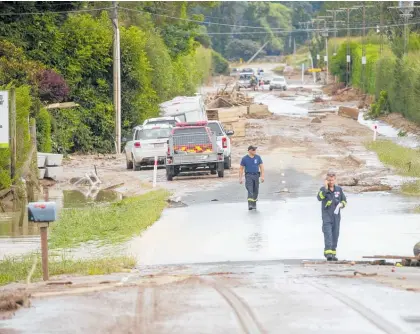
point(331, 232)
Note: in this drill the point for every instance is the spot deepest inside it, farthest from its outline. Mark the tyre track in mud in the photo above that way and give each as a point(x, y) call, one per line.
point(243, 312)
point(380, 322)
point(147, 306)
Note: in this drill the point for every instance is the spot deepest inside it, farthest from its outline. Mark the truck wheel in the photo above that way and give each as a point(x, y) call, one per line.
point(221, 169)
point(228, 162)
point(129, 164)
point(213, 172)
point(271, 89)
point(169, 173)
point(136, 167)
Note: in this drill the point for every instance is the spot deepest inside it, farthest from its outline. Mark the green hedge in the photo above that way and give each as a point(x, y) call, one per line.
point(43, 135)
point(398, 76)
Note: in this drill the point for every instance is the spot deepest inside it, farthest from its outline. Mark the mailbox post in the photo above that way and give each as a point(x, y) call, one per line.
point(43, 213)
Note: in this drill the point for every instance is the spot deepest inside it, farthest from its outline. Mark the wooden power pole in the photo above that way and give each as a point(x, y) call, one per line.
point(117, 77)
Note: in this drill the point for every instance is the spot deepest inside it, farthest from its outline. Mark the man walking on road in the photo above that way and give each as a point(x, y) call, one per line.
point(254, 169)
point(333, 199)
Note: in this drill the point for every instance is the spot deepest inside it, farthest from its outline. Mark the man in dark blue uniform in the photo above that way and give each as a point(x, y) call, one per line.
point(333, 199)
point(254, 169)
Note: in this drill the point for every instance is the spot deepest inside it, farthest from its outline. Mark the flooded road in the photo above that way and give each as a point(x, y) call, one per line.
point(288, 229)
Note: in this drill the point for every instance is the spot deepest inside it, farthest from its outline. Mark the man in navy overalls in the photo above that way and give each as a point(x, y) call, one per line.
point(254, 169)
point(333, 199)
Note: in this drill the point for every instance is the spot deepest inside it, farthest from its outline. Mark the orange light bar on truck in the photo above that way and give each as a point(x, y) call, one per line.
point(194, 148)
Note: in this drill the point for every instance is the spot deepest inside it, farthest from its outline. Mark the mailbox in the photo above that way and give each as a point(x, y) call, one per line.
point(42, 212)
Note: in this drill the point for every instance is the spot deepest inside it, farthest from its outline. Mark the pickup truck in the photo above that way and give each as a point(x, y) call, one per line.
point(148, 142)
point(223, 141)
point(244, 81)
point(193, 147)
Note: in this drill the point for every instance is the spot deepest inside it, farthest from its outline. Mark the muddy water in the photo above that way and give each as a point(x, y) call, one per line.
point(17, 237)
point(386, 130)
point(290, 229)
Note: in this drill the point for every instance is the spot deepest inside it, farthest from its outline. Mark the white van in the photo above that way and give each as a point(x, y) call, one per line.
point(185, 108)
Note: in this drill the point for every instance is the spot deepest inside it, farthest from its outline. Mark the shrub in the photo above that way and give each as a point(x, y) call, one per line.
point(43, 136)
point(52, 87)
point(220, 65)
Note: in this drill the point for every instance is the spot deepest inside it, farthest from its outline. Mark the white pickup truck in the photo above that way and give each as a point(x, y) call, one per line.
point(223, 141)
point(149, 141)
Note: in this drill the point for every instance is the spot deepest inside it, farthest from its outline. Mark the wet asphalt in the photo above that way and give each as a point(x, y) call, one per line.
point(215, 267)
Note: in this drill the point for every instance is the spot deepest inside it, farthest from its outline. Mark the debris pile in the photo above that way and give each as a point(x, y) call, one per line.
point(224, 99)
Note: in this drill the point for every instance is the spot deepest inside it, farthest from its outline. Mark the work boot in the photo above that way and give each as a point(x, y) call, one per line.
point(329, 257)
point(334, 258)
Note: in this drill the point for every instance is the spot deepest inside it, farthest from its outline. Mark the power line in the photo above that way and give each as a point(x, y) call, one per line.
point(273, 30)
point(307, 30)
point(56, 12)
point(191, 20)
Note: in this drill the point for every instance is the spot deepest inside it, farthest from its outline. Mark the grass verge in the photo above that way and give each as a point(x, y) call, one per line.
point(279, 69)
point(405, 160)
point(114, 223)
point(411, 188)
point(17, 269)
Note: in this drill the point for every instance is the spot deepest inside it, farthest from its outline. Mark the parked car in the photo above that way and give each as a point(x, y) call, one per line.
point(247, 71)
point(193, 147)
point(223, 140)
point(149, 141)
point(234, 72)
point(162, 120)
point(278, 83)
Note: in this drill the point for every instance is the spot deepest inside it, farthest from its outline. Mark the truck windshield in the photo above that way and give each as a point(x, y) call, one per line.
point(215, 128)
point(158, 133)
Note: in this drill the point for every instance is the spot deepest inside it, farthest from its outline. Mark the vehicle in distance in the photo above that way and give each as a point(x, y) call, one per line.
point(162, 120)
point(278, 83)
point(247, 71)
point(193, 147)
point(244, 81)
point(149, 141)
point(234, 72)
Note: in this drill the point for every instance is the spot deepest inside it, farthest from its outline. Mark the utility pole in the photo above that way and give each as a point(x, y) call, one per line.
point(348, 56)
point(13, 141)
point(406, 9)
point(381, 29)
point(325, 35)
point(364, 48)
point(334, 12)
point(116, 77)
